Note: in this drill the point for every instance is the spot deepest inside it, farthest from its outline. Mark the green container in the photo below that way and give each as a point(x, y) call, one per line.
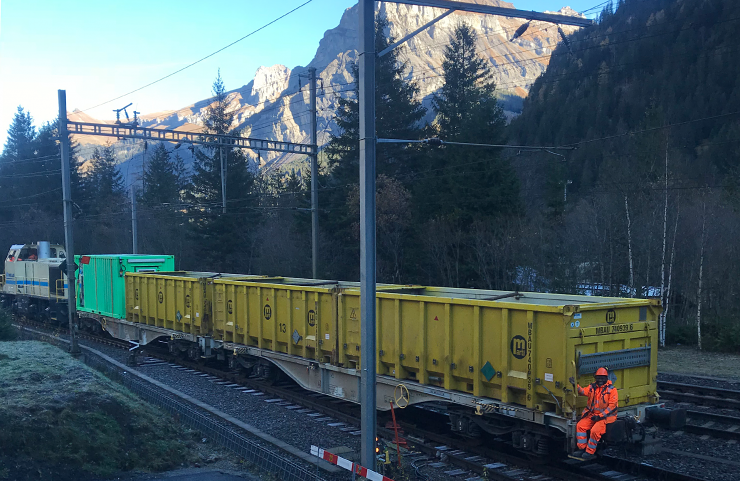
point(101, 287)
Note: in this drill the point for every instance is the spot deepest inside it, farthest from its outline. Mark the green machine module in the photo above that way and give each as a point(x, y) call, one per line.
point(104, 292)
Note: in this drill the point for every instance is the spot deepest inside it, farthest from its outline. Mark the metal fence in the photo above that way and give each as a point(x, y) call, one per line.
point(255, 454)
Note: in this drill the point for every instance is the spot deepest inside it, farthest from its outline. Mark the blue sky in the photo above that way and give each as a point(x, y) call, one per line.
point(99, 49)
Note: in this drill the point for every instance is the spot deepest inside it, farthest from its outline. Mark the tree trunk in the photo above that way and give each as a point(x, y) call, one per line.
point(662, 267)
point(629, 246)
point(701, 273)
point(670, 265)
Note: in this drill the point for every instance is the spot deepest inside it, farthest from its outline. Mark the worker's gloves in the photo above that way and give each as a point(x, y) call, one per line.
point(596, 418)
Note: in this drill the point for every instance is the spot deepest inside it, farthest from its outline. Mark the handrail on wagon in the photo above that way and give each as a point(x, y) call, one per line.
point(59, 287)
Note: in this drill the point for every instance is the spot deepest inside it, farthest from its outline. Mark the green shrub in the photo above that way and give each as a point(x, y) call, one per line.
point(716, 335)
point(682, 334)
point(720, 336)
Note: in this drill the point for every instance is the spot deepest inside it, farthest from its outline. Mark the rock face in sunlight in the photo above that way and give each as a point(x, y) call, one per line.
point(265, 109)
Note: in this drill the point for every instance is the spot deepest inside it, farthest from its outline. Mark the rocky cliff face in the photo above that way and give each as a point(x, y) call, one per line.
point(271, 106)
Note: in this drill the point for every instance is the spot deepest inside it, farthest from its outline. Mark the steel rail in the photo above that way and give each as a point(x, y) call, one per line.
point(699, 389)
point(732, 431)
point(642, 469)
point(697, 394)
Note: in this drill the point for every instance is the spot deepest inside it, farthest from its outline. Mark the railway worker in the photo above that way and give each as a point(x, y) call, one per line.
point(600, 411)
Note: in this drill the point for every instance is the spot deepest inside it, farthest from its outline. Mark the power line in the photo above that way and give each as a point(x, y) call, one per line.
point(36, 174)
point(202, 59)
point(652, 129)
point(32, 196)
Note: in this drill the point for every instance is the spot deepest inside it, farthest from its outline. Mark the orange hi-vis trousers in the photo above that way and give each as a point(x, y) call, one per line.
point(597, 428)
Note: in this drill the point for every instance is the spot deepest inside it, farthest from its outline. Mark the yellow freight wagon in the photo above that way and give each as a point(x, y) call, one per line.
point(520, 348)
point(283, 314)
point(296, 317)
point(168, 300)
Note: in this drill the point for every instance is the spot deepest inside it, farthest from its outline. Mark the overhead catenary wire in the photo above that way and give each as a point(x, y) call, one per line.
point(597, 190)
point(203, 58)
point(420, 176)
point(620, 135)
point(652, 129)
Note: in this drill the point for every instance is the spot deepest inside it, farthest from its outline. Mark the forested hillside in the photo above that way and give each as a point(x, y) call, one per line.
point(650, 99)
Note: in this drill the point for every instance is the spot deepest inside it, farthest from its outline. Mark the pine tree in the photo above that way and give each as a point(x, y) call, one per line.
point(20, 137)
point(399, 115)
point(467, 182)
point(164, 177)
point(162, 224)
point(106, 179)
point(224, 242)
point(17, 166)
point(47, 187)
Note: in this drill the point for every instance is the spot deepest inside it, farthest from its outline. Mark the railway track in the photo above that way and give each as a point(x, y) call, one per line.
point(702, 395)
point(454, 457)
point(711, 424)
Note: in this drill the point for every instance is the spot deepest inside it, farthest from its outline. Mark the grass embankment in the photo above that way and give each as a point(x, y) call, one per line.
point(60, 420)
point(689, 360)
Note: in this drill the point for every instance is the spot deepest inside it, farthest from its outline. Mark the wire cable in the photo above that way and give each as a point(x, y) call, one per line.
point(202, 59)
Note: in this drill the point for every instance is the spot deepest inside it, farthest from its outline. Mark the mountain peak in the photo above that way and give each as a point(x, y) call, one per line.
point(270, 81)
point(568, 11)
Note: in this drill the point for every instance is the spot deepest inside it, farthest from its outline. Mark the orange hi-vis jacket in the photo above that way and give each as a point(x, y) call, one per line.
point(602, 401)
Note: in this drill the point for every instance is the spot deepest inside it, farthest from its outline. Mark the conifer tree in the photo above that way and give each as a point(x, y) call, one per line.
point(224, 242)
point(467, 183)
point(20, 137)
point(47, 187)
point(17, 159)
point(106, 179)
point(399, 114)
point(161, 218)
point(30, 181)
point(164, 177)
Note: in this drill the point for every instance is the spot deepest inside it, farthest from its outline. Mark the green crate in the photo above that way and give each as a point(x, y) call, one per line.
point(101, 287)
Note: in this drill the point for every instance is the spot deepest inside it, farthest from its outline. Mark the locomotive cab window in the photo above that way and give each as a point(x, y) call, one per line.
point(28, 254)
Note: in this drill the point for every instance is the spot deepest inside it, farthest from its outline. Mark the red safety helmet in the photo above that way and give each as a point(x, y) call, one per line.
point(601, 372)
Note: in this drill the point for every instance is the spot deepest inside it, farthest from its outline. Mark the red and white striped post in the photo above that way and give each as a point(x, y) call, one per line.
point(348, 465)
